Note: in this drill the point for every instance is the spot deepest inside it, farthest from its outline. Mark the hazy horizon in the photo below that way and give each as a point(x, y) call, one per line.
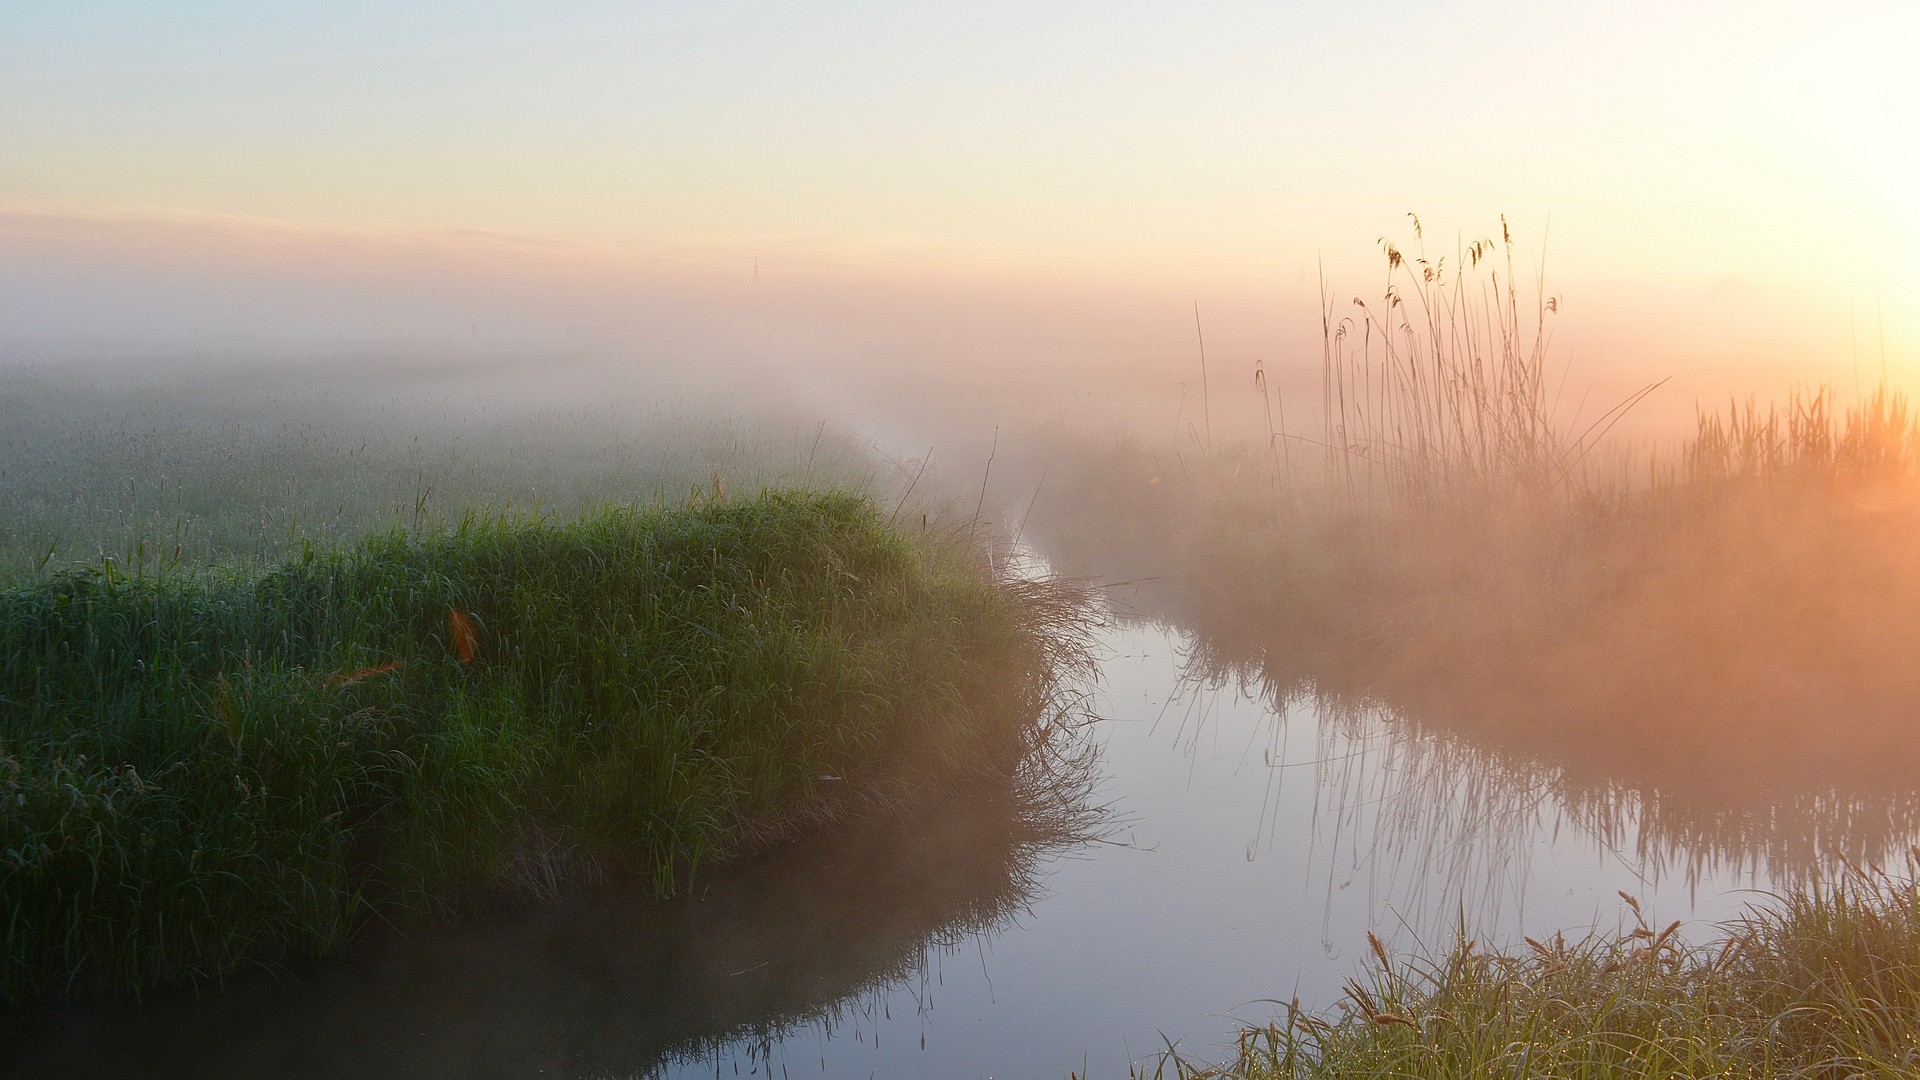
point(895, 210)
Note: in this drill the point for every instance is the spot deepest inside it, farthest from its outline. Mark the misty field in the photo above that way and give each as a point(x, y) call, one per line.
point(929, 541)
point(1732, 613)
point(237, 747)
point(283, 662)
point(235, 462)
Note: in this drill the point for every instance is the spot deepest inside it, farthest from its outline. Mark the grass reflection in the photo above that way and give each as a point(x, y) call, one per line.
point(1444, 823)
point(810, 937)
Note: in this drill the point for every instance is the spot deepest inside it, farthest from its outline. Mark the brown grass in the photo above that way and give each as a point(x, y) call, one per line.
point(1738, 612)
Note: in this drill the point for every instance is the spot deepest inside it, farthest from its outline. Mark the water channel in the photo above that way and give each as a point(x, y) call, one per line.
point(1246, 851)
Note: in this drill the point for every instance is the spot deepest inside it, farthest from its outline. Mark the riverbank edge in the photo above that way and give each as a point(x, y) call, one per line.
point(1820, 980)
point(215, 767)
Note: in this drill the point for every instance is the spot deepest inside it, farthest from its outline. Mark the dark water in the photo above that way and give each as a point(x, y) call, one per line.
point(1248, 851)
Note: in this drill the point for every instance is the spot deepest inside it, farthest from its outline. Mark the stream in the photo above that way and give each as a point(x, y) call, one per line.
point(1245, 852)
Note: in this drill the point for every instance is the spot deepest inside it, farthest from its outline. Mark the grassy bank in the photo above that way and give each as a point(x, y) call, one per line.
point(206, 767)
point(1824, 982)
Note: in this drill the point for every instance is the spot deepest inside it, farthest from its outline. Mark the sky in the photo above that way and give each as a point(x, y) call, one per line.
point(900, 197)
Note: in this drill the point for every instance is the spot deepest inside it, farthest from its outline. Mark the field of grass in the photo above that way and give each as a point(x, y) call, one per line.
point(1822, 982)
point(238, 746)
point(210, 463)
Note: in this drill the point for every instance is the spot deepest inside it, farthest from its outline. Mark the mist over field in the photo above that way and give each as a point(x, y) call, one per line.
point(919, 541)
point(893, 341)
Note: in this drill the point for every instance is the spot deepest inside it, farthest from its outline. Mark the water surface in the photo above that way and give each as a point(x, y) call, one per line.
point(1249, 847)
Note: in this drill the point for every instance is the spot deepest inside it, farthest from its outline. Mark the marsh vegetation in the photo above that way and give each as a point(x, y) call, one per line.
point(1726, 616)
point(318, 676)
point(1824, 981)
point(1700, 652)
point(237, 752)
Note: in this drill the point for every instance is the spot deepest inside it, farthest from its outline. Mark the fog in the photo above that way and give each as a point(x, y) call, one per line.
point(1481, 429)
point(939, 225)
point(894, 344)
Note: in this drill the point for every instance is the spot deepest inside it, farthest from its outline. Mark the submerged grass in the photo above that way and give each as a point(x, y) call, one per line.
point(1822, 982)
point(208, 767)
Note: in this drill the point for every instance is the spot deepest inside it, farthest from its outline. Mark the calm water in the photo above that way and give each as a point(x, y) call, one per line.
point(1247, 853)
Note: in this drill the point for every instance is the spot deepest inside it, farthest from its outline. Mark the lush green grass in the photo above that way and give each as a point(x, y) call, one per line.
point(205, 767)
point(1824, 982)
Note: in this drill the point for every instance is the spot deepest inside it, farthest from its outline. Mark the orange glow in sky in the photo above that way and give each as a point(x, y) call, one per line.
point(1727, 191)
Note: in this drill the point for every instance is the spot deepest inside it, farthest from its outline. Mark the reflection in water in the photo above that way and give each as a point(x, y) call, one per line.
point(1777, 837)
point(1422, 830)
point(1263, 830)
point(827, 934)
point(1446, 821)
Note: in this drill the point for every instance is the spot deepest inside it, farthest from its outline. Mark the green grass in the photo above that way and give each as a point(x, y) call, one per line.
point(204, 767)
point(1822, 982)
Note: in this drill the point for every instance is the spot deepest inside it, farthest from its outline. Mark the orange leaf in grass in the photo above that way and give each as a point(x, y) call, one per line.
point(464, 641)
